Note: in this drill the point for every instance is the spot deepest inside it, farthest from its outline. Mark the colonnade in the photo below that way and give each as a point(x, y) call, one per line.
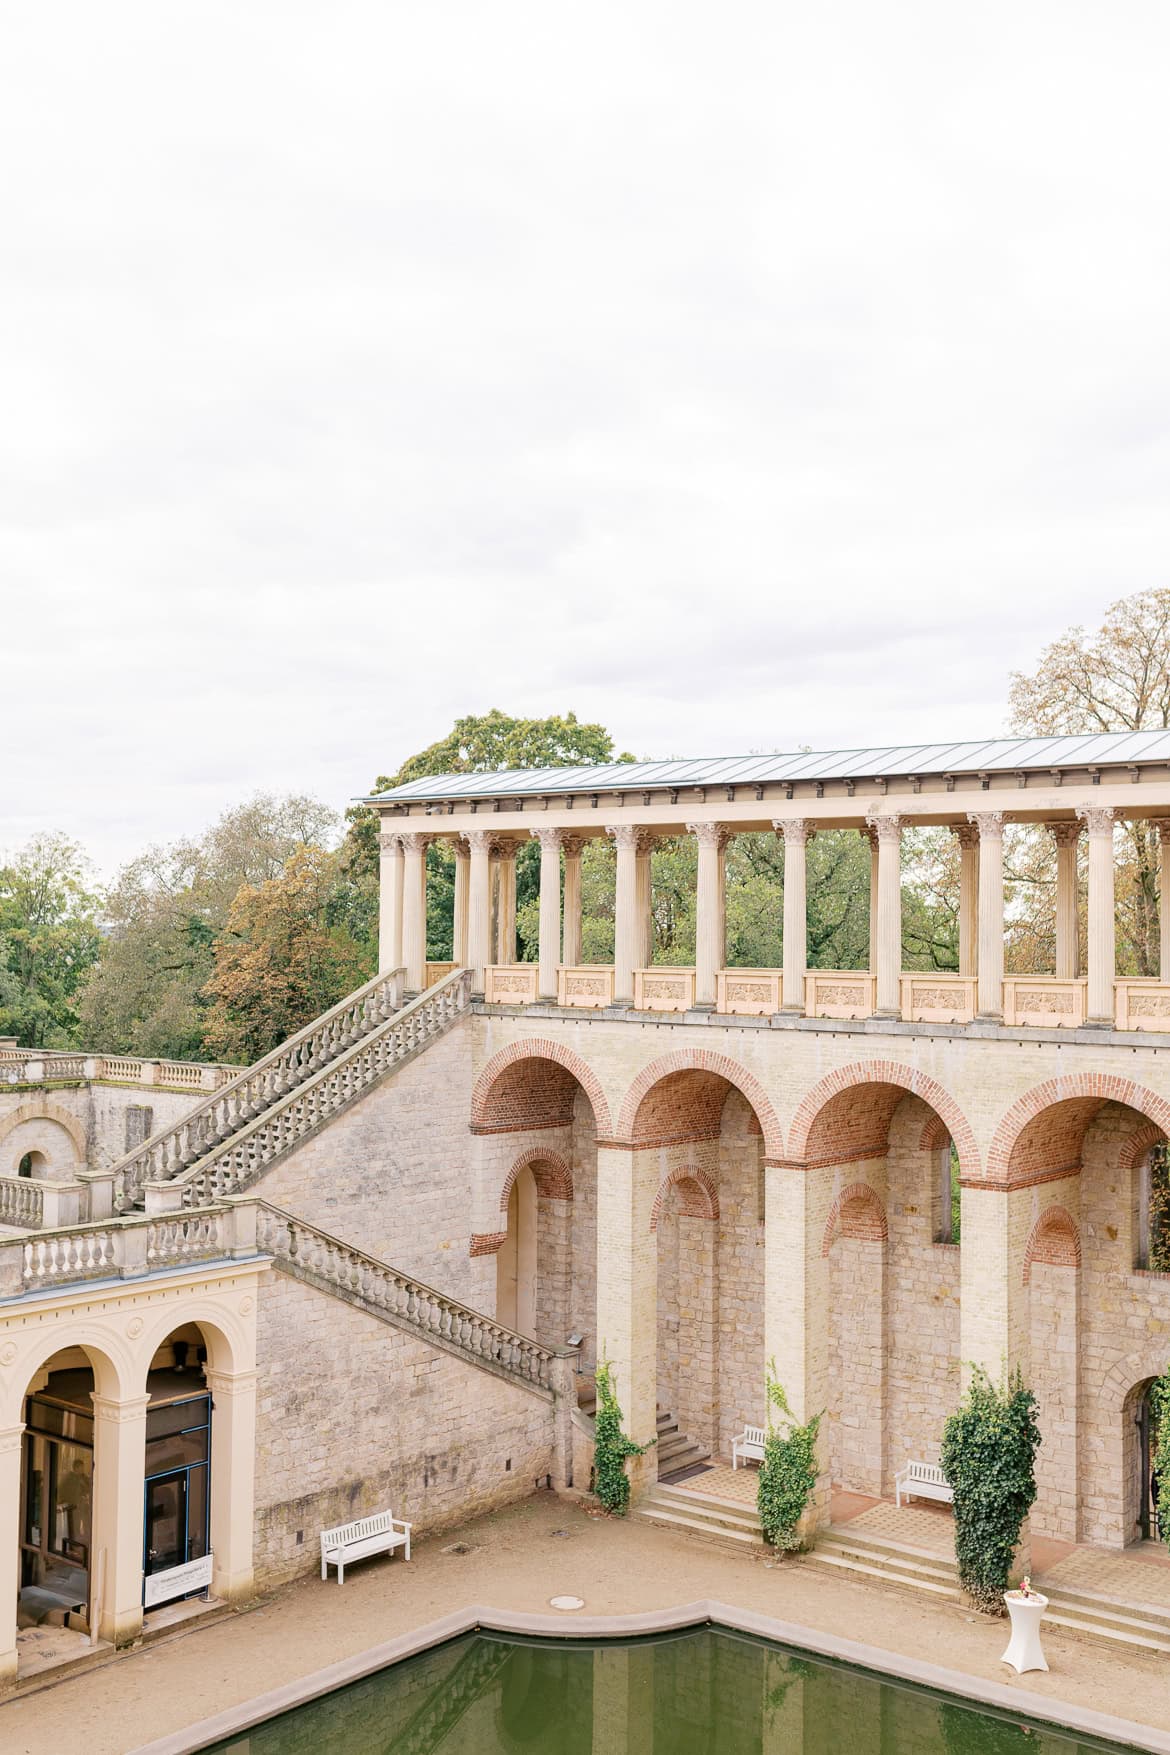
point(486, 861)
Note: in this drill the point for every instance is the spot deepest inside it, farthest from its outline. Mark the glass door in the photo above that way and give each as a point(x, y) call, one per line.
point(166, 1522)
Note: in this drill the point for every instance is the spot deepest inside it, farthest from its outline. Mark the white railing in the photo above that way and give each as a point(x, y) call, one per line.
point(21, 1201)
point(382, 1289)
point(125, 1248)
point(28, 1066)
point(171, 1151)
point(232, 1166)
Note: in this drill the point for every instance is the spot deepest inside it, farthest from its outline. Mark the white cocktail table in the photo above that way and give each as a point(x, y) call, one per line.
point(1024, 1652)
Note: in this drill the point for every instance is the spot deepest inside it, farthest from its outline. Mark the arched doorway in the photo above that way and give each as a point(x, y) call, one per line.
point(33, 1164)
point(57, 1575)
point(516, 1258)
point(1138, 1452)
point(176, 1501)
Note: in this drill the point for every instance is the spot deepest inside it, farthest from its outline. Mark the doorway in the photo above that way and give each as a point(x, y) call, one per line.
point(516, 1258)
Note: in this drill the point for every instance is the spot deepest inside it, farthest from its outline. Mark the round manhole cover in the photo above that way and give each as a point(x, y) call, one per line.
point(566, 1603)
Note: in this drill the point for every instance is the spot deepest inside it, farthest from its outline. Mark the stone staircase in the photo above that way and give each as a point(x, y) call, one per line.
point(842, 1548)
point(676, 1452)
point(228, 1142)
point(732, 1522)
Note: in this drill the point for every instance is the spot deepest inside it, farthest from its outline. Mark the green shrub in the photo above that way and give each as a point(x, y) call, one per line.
point(1160, 1409)
point(988, 1456)
point(611, 1447)
point(788, 1474)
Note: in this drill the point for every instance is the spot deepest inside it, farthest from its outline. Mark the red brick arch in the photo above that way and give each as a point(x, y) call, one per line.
point(1054, 1239)
point(856, 1212)
point(552, 1176)
point(860, 1128)
point(699, 1060)
point(697, 1194)
point(1041, 1135)
point(503, 1105)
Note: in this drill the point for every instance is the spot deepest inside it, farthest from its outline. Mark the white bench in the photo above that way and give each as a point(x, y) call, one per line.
point(749, 1444)
point(919, 1480)
point(379, 1534)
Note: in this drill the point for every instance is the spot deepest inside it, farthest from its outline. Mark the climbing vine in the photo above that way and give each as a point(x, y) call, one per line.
point(989, 1457)
point(788, 1473)
point(611, 1447)
point(1160, 1408)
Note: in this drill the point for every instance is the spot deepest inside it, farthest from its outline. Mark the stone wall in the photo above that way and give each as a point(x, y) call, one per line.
point(355, 1416)
point(84, 1126)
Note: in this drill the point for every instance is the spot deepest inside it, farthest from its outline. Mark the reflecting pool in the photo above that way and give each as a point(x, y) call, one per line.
point(701, 1692)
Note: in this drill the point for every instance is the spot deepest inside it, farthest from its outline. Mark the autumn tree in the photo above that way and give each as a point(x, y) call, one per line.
point(48, 941)
point(285, 957)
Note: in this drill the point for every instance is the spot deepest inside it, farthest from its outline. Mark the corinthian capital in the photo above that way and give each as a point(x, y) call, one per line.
point(551, 840)
point(886, 825)
point(1064, 834)
point(571, 845)
point(390, 841)
point(1164, 831)
point(988, 822)
point(479, 840)
point(415, 841)
point(795, 830)
point(715, 835)
point(624, 835)
point(1098, 818)
point(965, 834)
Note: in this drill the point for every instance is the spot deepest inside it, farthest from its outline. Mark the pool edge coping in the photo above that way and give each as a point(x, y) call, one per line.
point(1061, 1714)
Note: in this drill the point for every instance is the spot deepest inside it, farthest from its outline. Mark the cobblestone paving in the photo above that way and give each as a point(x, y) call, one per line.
point(724, 1482)
point(1129, 1577)
point(917, 1526)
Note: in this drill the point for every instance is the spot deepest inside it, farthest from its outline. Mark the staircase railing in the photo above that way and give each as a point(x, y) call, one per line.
point(316, 1256)
point(172, 1149)
point(234, 1165)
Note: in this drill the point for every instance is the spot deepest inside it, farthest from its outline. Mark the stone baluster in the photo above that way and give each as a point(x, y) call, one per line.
point(967, 836)
point(572, 847)
point(1102, 934)
point(414, 909)
point(462, 879)
point(990, 826)
point(797, 833)
point(888, 828)
point(390, 862)
point(627, 936)
point(550, 911)
point(1068, 950)
point(506, 852)
point(479, 904)
point(710, 915)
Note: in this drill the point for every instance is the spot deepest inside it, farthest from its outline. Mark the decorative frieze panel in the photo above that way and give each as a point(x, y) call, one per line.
point(664, 990)
point(510, 984)
point(1142, 1003)
point(587, 985)
point(748, 992)
point(1046, 1001)
point(840, 993)
point(437, 972)
point(938, 999)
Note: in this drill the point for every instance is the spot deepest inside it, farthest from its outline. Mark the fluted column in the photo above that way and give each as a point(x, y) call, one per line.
point(389, 901)
point(506, 852)
point(627, 938)
point(889, 910)
point(797, 833)
point(1068, 950)
point(550, 910)
point(871, 836)
point(645, 898)
point(571, 848)
point(1102, 934)
point(414, 909)
point(1164, 899)
point(710, 921)
point(990, 826)
point(968, 838)
point(459, 924)
point(479, 906)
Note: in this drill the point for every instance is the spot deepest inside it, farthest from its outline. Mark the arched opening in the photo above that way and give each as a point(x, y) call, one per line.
point(1139, 1449)
point(1151, 1202)
point(176, 1503)
point(33, 1164)
point(516, 1258)
point(56, 1575)
point(42, 1131)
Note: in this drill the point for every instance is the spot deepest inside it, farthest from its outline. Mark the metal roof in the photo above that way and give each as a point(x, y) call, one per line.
point(1010, 754)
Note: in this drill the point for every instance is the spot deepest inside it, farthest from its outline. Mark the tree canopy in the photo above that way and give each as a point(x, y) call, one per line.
point(48, 940)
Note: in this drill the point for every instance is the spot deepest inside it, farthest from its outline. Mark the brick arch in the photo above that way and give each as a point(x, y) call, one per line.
point(715, 1066)
point(700, 1199)
point(1042, 1133)
point(935, 1134)
point(834, 1123)
point(501, 1101)
point(1055, 1239)
point(1139, 1143)
point(550, 1172)
point(41, 1109)
point(857, 1212)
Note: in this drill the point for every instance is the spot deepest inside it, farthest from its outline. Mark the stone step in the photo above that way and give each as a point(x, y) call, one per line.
point(1122, 1629)
point(715, 1526)
point(824, 1559)
point(724, 1512)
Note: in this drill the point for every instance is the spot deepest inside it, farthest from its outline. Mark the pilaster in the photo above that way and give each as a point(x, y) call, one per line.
point(796, 1298)
point(233, 1465)
point(627, 1292)
point(119, 1470)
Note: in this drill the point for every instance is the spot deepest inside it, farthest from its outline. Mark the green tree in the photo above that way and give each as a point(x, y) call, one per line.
point(989, 1457)
point(48, 941)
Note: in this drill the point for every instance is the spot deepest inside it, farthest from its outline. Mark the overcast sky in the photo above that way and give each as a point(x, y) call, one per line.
point(740, 375)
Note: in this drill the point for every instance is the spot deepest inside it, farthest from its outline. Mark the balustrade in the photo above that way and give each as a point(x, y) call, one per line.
point(123, 1248)
point(22, 1201)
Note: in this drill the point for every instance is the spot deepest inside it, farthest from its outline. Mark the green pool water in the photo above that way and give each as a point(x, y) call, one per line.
point(705, 1692)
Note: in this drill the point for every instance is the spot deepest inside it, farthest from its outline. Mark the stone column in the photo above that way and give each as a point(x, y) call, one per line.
point(968, 839)
point(797, 832)
point(627, 940)
point(627, 1292)
point(389, 901)
point(479, 906)
point(888, 828)
point(414, 910)
point(571, 847)
point(796, 1299)
point(233, 1466)
point(645, 901)
point(990, 826)
point(10, 1446)
point(119, 1470)
point(459, 924)
point(1102, 934)
point(710, 921)
point(506, 853)
point(874, 934)
point(1164, 899)
point(550, 910)
point(1068, 950)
